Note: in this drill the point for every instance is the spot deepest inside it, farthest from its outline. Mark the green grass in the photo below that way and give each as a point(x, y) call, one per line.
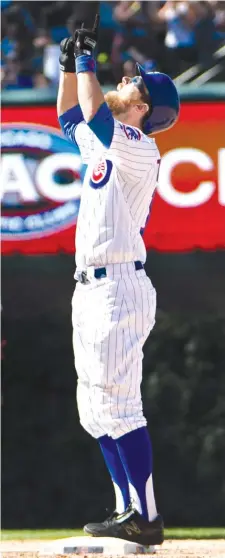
point(8, 535)
point(173, 533)
point(195, 533)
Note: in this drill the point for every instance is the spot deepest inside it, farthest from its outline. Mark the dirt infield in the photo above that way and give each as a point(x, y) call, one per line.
point(169, 549)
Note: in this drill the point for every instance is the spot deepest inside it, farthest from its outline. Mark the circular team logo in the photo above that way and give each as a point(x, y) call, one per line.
point(101, 173)
point(41, 180)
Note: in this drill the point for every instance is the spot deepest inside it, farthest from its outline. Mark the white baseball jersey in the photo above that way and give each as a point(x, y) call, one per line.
point(116, 196)
point(112, 316)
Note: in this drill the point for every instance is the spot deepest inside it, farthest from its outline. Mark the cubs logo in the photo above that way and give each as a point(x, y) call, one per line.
point(131, 133)
point(101, 173)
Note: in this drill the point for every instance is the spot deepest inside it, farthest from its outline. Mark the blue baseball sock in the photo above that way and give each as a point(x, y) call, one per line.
point(117, 473)
point(136, 455)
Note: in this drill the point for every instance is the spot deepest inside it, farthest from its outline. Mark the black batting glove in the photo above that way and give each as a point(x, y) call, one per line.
point(66, 59)
point(86, 39)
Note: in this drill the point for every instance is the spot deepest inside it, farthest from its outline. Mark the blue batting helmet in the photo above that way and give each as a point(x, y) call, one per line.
point(164, 101)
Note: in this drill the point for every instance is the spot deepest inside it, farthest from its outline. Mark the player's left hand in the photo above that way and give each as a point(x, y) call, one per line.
point(66, 59)
point(86, 39)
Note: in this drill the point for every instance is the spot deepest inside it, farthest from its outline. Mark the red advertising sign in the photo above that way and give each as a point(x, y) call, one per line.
point(41, 181)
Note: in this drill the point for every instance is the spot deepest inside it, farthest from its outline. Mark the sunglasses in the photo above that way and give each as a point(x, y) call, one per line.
point(138, 81)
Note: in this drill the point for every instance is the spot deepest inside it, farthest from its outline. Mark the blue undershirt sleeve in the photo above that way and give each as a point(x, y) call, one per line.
point(102, 125)
point(69, 120)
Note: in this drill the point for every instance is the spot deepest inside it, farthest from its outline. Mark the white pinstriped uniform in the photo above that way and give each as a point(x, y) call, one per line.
point(113, 316)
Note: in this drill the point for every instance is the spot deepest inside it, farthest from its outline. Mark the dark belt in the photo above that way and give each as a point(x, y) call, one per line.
point(101, 272)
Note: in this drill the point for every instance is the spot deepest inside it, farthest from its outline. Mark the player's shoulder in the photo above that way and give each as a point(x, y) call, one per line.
point(132, 135)
point(127, 132)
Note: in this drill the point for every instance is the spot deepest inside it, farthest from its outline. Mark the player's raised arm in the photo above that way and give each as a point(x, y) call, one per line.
point(91, 99)
point(67, 92)
point(68, 109)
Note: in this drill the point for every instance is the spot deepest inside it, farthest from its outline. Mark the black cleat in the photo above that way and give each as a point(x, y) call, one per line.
point(130, 526)
point(99, 529)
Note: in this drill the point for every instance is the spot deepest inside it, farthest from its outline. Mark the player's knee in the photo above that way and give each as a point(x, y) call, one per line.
point(121, 426)
point(91, 428)
point(91, 418)
point(87, 419)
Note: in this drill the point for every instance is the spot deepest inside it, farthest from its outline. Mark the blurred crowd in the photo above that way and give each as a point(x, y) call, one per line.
point(168, 36)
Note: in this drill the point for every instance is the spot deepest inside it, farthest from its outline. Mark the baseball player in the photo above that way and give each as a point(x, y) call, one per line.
point(114, 303)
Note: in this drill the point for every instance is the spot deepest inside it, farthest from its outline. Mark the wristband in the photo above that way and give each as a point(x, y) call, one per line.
point(85, 63)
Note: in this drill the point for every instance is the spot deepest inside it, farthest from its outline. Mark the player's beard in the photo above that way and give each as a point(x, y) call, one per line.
point(116, 104)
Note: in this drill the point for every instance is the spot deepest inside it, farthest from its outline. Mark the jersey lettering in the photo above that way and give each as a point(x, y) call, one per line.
point(131, 133)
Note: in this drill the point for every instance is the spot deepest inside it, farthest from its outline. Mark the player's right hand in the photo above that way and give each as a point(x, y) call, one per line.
point(66, 59)
point(86, 39)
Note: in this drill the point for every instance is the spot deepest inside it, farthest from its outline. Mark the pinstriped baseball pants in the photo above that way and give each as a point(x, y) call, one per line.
point(112, 318)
